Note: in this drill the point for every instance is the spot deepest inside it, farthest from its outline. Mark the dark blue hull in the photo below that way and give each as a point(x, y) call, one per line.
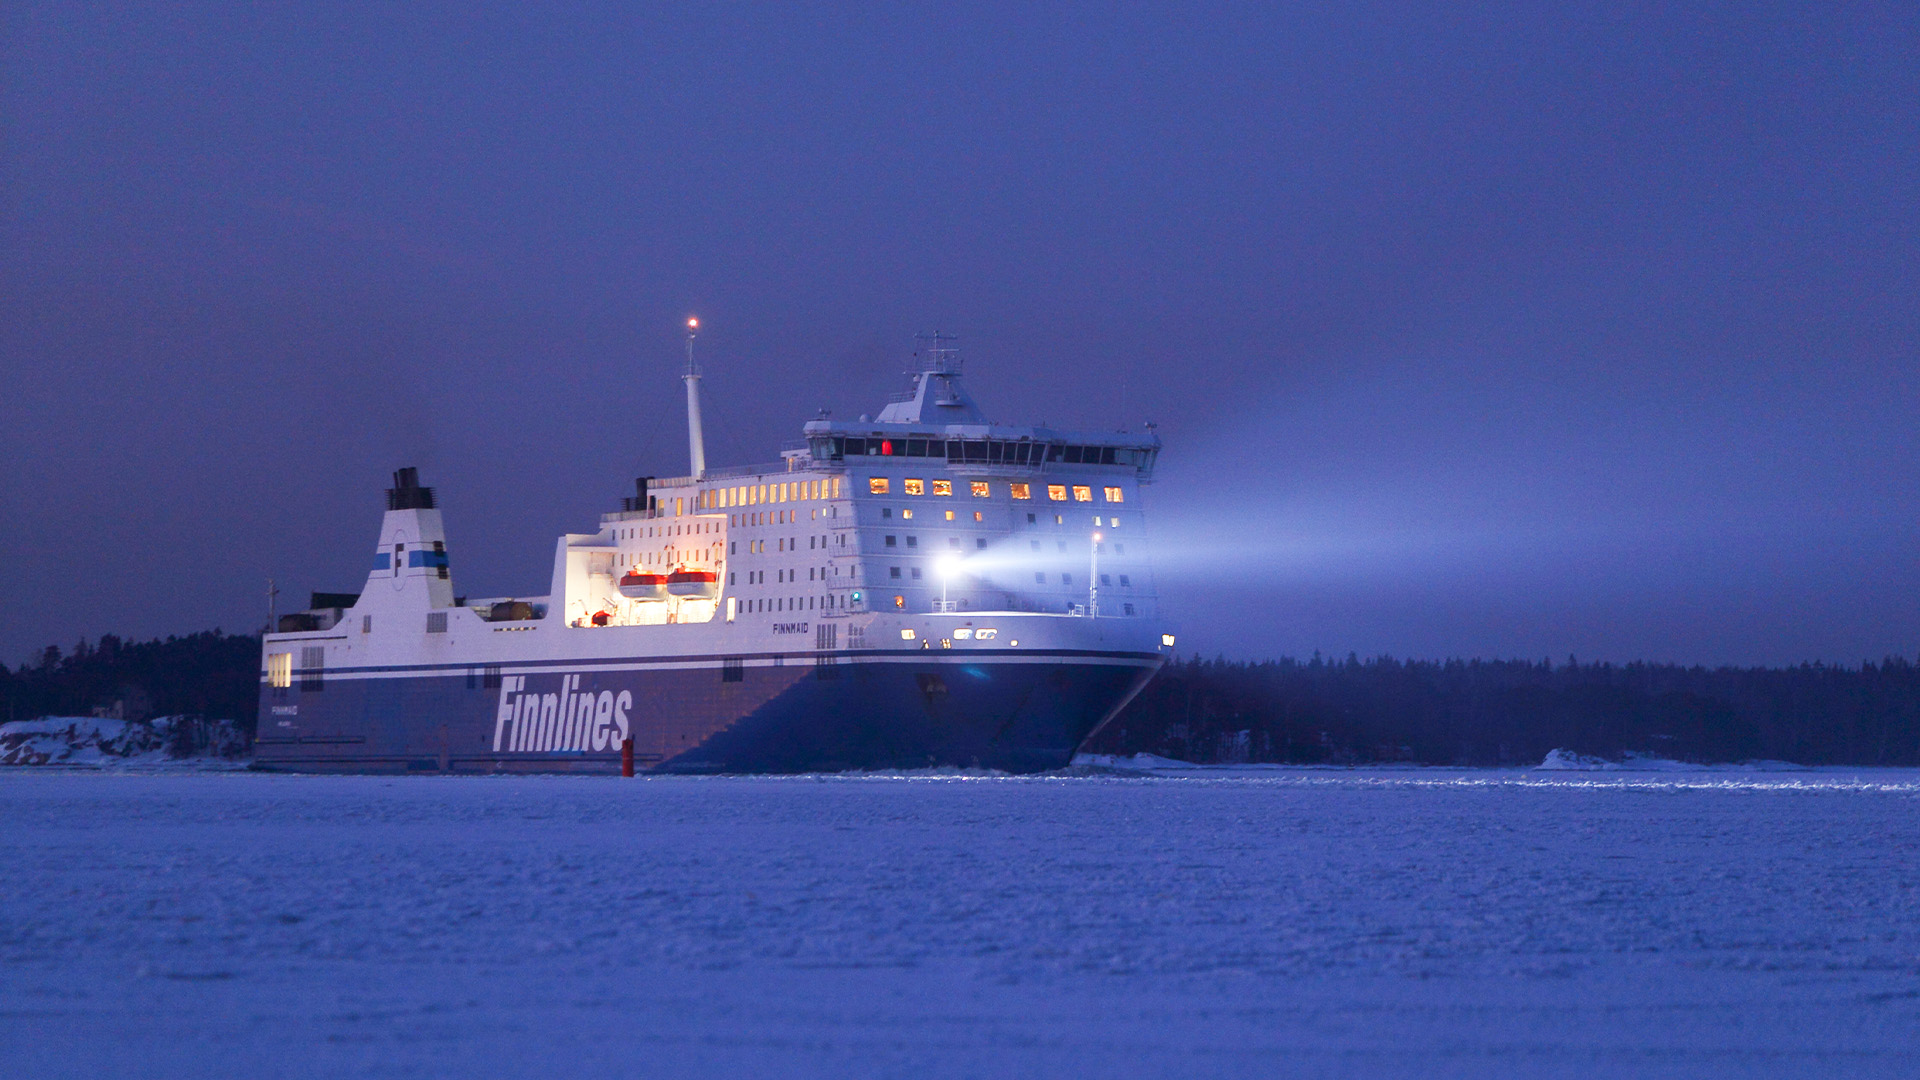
point(790, 714)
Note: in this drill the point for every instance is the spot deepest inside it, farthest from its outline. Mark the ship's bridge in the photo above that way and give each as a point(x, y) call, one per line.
point(938, 419)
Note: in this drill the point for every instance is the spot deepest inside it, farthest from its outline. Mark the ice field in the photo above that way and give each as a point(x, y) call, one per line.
point(1270, 922)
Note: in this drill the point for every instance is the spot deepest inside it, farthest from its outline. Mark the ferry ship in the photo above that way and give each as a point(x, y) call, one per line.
point(919, 588)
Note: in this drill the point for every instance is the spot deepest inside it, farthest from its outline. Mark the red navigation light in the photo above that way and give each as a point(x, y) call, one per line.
point(886, 446)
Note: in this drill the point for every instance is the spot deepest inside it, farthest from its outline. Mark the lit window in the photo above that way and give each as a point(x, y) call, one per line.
point(949, 515)
point(987, 634)
point(916, 487)
point(877, 485)
point(906, 635)
point(1114, 495)
point(1059, 519)
point(1056, 492)
point(899, 601)
point(979, 489)
point(1082, 493)
point(943, 487)
point(907, 513)
point(280, 670)
point(978, 516)
point(1022, 491)
point(962, 634)
point(1166, 640)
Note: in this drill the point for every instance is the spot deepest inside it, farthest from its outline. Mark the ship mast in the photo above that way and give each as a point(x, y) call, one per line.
point(696, 442)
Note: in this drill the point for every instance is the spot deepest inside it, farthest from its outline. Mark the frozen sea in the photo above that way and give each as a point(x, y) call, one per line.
point(1276, 922)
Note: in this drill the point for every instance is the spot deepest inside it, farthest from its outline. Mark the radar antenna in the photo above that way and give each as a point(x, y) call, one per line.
point(937, 353)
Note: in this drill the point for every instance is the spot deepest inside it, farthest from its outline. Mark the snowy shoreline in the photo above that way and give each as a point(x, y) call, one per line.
point(96, 742)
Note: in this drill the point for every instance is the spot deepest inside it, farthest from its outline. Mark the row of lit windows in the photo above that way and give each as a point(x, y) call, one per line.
point(906, 513)
point(722, 498)
point(982, 489)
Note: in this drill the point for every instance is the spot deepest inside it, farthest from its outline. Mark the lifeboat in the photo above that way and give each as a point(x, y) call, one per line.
point(638, 586)
point(694, 584)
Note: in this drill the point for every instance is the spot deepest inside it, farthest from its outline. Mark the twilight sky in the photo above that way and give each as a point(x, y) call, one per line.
point(1526, 329)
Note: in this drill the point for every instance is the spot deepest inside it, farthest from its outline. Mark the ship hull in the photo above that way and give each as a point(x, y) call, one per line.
point(1012, 711)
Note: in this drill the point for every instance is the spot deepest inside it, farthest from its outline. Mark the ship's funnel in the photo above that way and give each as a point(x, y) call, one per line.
point(406, 492)
point(410, 570)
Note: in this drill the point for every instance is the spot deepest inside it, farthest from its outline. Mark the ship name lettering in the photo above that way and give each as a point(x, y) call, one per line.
point(570, 720)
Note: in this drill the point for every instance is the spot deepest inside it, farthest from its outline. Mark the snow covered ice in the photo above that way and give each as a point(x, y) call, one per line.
point(1299, 922)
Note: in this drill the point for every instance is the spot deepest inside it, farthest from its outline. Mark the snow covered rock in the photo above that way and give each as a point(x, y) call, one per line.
point(92, 741)
point(1568, 761)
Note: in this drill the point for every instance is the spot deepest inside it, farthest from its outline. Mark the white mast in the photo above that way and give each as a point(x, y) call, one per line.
point(696, 442)
point(1093, 580)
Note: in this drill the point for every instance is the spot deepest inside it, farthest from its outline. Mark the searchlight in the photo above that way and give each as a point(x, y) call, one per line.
point(946, 566)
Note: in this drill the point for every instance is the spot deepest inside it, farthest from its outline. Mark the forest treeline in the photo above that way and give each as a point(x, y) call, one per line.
point(208, 674)
point(1511, 712)
point(1453, 712)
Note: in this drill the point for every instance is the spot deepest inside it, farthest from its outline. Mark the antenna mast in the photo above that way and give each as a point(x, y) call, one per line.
point(696, 441)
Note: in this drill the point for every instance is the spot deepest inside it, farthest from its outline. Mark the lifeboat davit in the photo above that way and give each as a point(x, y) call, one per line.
point(696, 584)
point(638, 586)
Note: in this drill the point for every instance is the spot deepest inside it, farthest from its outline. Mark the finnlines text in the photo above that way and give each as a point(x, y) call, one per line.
point(567, 720)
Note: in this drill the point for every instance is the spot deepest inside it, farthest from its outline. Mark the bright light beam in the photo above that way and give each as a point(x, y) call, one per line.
point(947, 564)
